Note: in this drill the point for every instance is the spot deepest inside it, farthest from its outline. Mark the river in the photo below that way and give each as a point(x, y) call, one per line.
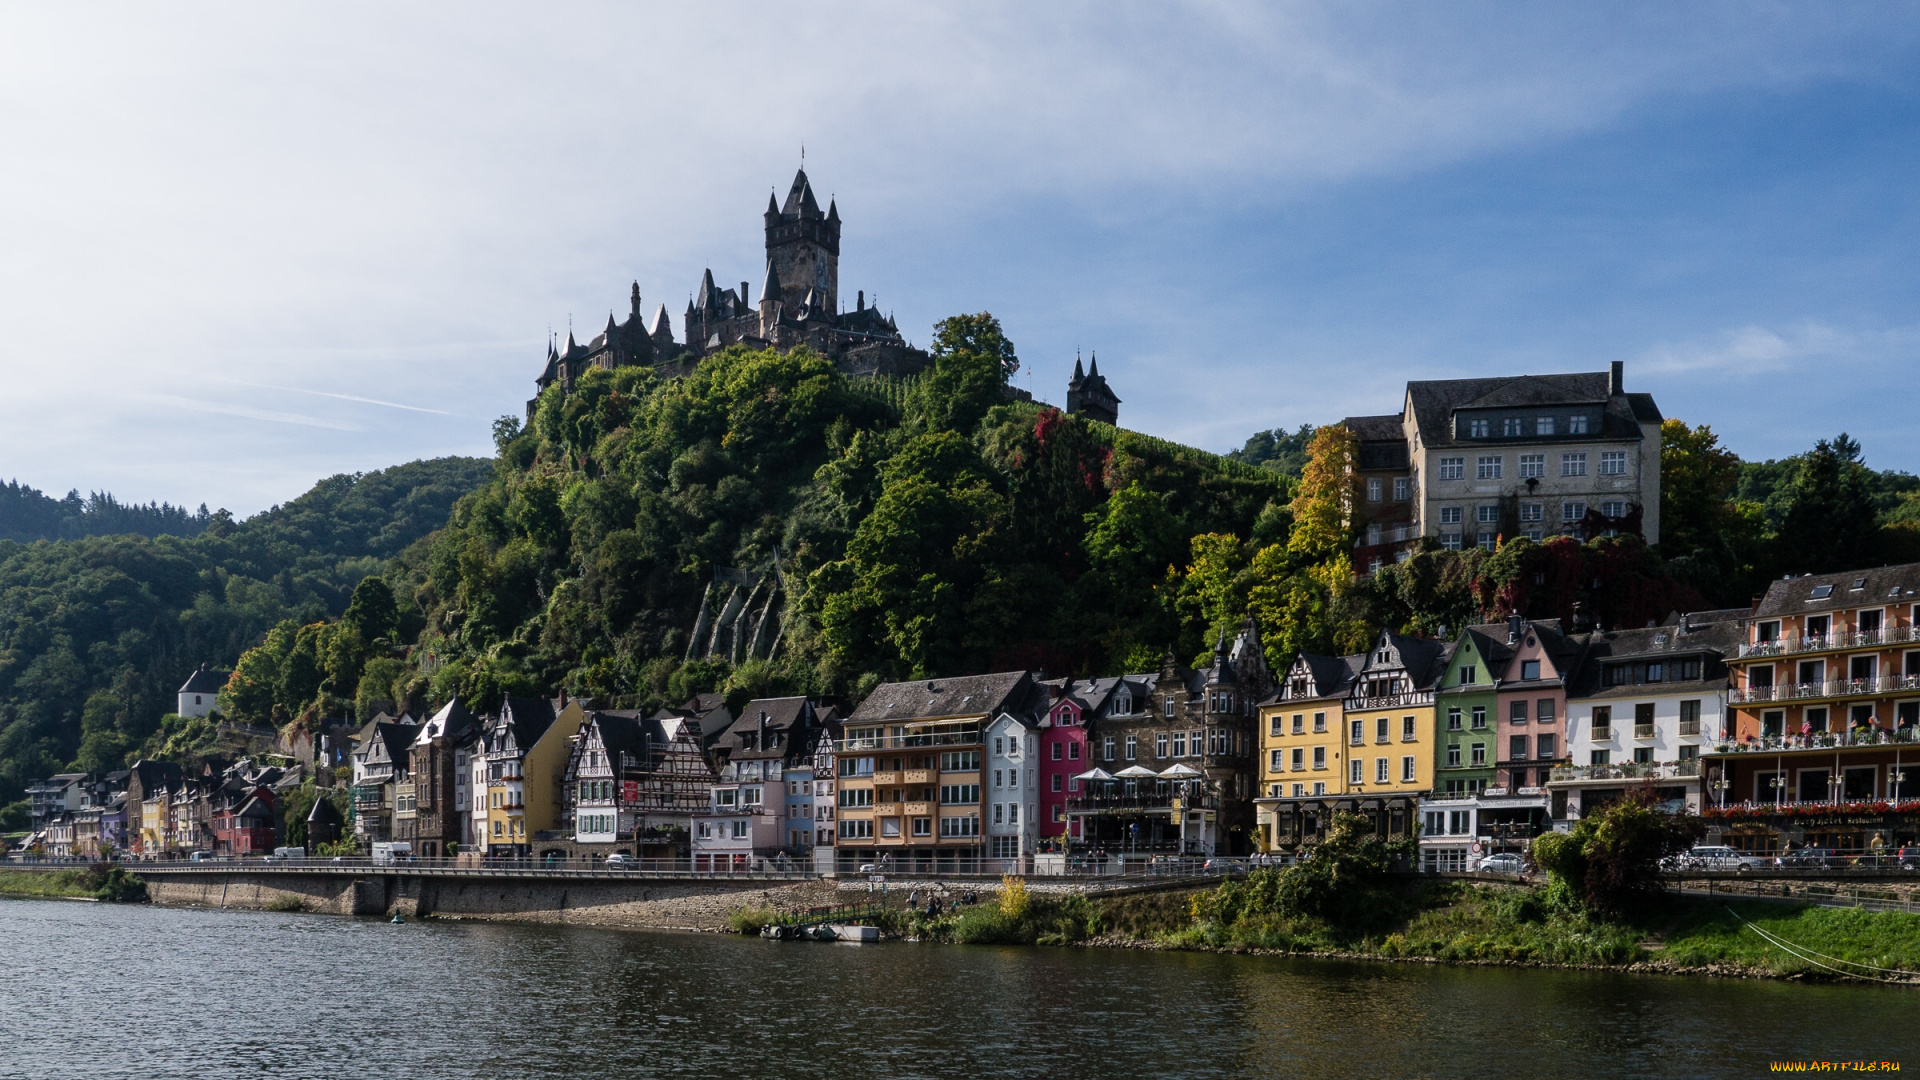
point(99, 990)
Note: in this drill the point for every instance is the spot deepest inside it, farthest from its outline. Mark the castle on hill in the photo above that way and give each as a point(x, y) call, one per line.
point(799, 304)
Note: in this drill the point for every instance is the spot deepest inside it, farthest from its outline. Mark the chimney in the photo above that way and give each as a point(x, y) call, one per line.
point(1616, 378)
point(744, 302)
point(1513, 629)
point(860, 300)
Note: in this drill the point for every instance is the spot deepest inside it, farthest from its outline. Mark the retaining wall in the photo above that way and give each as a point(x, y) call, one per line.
point(699, 905)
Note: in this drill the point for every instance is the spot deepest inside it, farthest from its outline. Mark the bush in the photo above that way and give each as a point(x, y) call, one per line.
point(1611, 860)
point(749, 920)
point(287, 903)
point(1014, 896)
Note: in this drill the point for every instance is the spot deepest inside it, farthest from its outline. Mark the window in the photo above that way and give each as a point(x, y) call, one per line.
point(725, 797)
point(1319, 757)
point(1572, 512)
point(1453, 720)
point(1613, 463)
point(890, 826)
point(1056, 751)
point(1603, 722)
point(1577, 425)
point(1319, 721)
point(1073, 751)
point(999, 746)
point(1373, 489)
point(1643, 755)
point(996, 779)
point(1450, 515)
point(1160, 743)
point(1599, 757)
point(1355, 774)
point(1299, 759)
point(1614, 508)
point(922, 826)
point(1544, 745)
point(856, 798)
point(960, 761)
point(1056, 782)
point(1169, 704)
point(1409, 770)
point(1469, 673)
point(750, 796)
point(1489, 467)
point(1453, 757)
point(1133, 743)
point(1450, 541)
point(960, 826)
point(1690, 717)
point(1179, 744)
point(1533, 466)
point(856, 829)
point(1193, 744)
point(739, 830)
point(1479, 429)
point(1380, 729)
point(1357, 732)
point(1543, 711)
point(1276, 761)
point(1517, 748)
point(1574, 464)
point(1402, 488)
point(1380, 774)
point(1107, 746)
point(1532, 512)
point(999, 814)
point(1013, 813)
point(957, 794)
point(1479, 717)
point(1543, 425)
point(1689, 752)
point(1510, 427)
point(1479, 754)
point(1407, 733)
point(1487, 515)
point(1487, 538)
point(1453, 468)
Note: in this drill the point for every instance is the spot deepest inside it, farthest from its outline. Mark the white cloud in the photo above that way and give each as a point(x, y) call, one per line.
point(321, 197)
point(1747, 351)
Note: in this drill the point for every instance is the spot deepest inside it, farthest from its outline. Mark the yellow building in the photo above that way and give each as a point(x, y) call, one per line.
point(526, 746)
point(1351, 734)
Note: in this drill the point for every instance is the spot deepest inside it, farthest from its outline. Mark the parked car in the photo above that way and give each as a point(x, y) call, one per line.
point(1505, 862)
point(618, 861)
point(1719, 857)
point(1809, 858)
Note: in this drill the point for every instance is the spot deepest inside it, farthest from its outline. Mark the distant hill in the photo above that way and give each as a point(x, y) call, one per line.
point(27, 515)
point(98, 630)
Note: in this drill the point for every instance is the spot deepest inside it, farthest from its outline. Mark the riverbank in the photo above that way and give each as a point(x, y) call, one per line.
point(80, 883)
point(1462, 924)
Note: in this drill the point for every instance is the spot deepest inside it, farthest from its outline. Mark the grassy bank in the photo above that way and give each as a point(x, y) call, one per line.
point(88, 883)
point(1446, 922)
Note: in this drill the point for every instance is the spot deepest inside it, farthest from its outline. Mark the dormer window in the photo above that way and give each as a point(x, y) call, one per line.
point(1821, 592)
point(1510, 427)
point(1577, 425)
point(1123, 704)
point(1480, 429)
point(1543, 425)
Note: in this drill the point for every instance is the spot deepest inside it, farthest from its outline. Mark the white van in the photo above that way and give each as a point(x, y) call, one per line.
point(395, 852)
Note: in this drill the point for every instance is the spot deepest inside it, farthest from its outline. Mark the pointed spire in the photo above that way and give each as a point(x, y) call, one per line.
point(770, 289)
point(570, 345)
point(636, 299)
point(833, 210)
point(1093, 366)
point(661, 324)
point(610, 325)
point(1078, 372)
point(773, 206)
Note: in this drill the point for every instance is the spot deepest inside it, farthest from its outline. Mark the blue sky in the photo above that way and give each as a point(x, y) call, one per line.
point(248, 247)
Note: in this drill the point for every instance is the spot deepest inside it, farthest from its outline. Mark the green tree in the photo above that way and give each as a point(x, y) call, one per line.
point(1323, 503)
point(1830, 520)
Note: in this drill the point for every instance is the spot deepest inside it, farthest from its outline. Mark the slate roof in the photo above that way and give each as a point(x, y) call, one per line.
point(1435, 401)
point(929, 699)
point(1795, 596)
point(203, 681)
point(323, 812)
point(785, 717)
point(1711, 641)
point(529, 717)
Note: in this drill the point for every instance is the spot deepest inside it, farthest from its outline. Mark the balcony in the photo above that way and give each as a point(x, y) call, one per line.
point(917, 776)
point(1830, 688)
point(1136, 804)
point(1821, 741)
point(1395, 701)
point(1602, 731)
point(888, 778)
point(966, 735)
point(1643, 731)
point(1689, 727)
point(1789, 646)
point(916, 809)
point(1628, 770)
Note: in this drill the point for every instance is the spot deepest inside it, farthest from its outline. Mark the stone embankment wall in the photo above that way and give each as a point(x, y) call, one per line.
point(689, 905)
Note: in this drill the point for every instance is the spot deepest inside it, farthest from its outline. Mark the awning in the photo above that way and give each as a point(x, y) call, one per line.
point(1095, 774)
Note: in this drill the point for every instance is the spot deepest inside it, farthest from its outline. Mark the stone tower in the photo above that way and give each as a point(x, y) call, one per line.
point(1089, 395)
point(803, 249)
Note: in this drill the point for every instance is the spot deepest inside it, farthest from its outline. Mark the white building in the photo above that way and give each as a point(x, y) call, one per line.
point(1649, 700)
point(752, 815)
point(199, 695)
point(1012, 790)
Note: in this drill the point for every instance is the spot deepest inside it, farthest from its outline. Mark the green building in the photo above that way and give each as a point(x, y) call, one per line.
point(1465, 753)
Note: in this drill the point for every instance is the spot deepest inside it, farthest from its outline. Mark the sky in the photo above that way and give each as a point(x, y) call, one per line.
point(244, 247)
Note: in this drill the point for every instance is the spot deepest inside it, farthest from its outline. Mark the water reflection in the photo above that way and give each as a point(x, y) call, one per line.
point(97, 990)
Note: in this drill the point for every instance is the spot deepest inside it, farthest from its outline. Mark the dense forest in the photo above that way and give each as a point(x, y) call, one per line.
point(27, 515)
point(914, 527)
point(97, 633)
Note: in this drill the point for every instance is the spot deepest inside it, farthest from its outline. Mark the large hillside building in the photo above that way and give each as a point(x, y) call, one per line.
point(799, 304)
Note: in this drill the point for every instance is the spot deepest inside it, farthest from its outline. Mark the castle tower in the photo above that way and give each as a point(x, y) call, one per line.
point(803, 245)
point(1089, 394)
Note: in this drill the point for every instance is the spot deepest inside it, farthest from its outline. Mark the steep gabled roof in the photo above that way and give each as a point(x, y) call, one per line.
point(1815, 593)
point(969, 695)
point(203, 681)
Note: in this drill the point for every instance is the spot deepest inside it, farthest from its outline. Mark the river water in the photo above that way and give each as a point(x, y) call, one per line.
point(98, 990)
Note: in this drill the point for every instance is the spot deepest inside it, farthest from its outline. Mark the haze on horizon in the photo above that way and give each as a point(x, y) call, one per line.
point(250, 246)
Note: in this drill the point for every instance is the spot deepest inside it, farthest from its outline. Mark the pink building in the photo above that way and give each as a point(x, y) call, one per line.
point(1077, 708)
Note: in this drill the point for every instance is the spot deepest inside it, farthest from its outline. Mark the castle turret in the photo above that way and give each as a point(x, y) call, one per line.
point(1089, 395)
point(803, 245)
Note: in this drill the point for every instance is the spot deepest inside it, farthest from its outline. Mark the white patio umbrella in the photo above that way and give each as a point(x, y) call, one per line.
point(1137, 772)
point(1095, 774)
point(1180, 771)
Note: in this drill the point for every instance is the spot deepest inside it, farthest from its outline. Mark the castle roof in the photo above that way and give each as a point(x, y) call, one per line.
point(203, 681)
